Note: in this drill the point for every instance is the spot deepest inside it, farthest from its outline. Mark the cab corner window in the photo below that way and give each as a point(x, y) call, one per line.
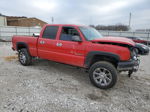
point(50, 32)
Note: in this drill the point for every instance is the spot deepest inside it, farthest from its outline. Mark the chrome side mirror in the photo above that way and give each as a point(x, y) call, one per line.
point(36, 34)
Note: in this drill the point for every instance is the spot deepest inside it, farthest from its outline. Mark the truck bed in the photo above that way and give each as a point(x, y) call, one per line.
point(28, 40)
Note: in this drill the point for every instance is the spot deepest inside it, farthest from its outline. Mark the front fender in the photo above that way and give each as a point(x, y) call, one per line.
point(91, 55)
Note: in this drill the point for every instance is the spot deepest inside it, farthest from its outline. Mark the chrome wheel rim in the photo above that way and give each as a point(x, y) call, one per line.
point(102, 76)
point(22, 58)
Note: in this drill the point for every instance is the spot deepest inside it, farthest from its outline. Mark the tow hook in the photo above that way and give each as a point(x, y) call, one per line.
point(135, 69)
point(130, 72)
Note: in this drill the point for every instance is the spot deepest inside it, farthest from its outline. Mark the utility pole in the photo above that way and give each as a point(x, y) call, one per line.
point(130, 20)
point(52, 20)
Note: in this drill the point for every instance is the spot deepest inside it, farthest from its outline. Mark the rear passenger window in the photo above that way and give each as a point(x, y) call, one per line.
point(50, 32)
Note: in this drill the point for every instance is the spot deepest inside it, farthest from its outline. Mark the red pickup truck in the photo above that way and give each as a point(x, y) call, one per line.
point(82, 46)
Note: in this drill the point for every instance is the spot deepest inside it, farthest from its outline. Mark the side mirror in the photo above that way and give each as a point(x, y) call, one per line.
point(76, 38)
point(36, 34)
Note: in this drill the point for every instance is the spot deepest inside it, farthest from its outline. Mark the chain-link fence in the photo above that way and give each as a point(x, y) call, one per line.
point(6, 32)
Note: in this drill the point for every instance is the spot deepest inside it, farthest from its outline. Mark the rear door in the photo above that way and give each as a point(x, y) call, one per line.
point(47, 43)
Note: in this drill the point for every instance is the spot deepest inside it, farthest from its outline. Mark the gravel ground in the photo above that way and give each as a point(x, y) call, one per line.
point(52, 87)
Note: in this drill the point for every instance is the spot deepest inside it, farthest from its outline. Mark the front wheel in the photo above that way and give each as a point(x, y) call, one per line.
point(24, 57)
point(103, 75)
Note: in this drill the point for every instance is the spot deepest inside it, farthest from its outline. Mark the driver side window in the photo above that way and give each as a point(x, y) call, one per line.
point(67, 33)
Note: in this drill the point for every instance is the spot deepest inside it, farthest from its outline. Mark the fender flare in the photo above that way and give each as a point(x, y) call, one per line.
point(22, 43)
point(90, 55)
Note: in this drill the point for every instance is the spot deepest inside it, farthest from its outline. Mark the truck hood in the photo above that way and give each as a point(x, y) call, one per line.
point(119, 40)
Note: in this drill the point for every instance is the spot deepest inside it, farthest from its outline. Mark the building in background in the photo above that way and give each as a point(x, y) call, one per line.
point(3, 20)
point(20, 21)
point(24, 21)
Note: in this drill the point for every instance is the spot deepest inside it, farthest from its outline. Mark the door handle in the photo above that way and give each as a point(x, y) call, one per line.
point(59, 44)
point(42, 42)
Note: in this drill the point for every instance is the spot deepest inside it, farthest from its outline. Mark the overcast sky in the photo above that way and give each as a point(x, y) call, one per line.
point(104, 12)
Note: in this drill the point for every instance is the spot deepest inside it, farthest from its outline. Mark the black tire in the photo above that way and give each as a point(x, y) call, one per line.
point(106, 71)
point(24, 57)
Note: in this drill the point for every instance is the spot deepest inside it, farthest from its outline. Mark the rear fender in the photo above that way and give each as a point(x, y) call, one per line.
point(20, 45)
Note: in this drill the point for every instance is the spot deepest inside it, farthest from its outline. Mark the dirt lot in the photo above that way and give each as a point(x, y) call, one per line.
point(52, 87)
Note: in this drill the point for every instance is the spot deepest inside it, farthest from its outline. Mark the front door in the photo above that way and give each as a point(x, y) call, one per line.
point(70, 52)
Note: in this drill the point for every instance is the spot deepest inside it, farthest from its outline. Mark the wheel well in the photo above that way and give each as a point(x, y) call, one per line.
point(110, 59)
point(21, 46)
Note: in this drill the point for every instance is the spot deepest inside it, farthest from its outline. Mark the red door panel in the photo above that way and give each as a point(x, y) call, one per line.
point(71, 52)
point(47, 42)
point(47, 49)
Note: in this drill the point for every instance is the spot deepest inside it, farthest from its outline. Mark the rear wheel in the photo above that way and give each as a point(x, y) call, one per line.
point(103, 75)
point(24, 57)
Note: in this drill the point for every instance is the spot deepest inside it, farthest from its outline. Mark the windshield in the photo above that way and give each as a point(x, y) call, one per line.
point(90, 33)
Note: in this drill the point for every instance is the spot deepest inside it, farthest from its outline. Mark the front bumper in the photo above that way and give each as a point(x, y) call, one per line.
point(128, 65)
